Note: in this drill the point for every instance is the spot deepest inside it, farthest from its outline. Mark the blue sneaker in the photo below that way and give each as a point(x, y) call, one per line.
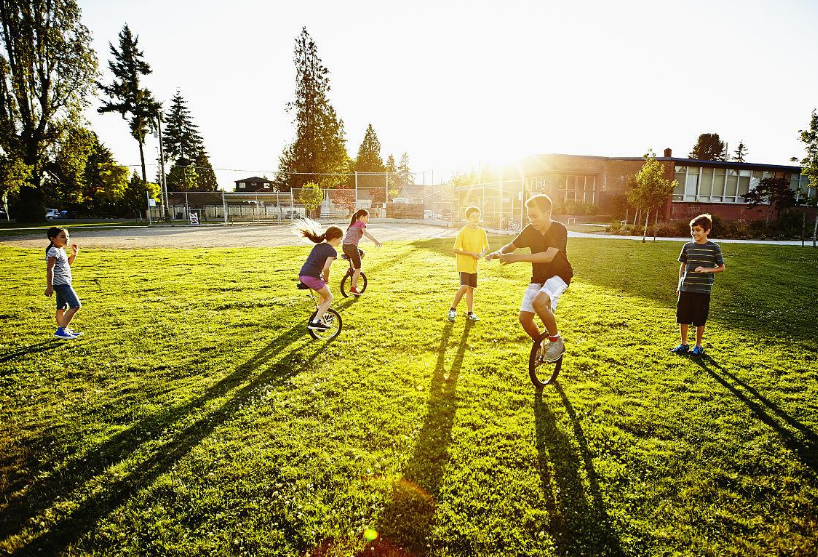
point(681, 349)
point(64, 335)
point(698, 350)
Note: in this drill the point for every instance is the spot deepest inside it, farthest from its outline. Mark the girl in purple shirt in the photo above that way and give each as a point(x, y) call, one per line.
point(315, 271)
point(355, 231)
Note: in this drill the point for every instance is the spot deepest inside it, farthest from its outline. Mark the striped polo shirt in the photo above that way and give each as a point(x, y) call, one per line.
point(699, 255)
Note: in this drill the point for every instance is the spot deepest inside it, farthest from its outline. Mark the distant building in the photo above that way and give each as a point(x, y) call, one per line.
point(254, 184)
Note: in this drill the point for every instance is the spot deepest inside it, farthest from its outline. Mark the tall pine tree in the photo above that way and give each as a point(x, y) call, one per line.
point(126, 95)
point(405, 175)
point(369, 160)
point(181, 139)
point(318, 153)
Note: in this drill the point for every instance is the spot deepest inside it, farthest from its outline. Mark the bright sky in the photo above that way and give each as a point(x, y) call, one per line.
point(454, 83)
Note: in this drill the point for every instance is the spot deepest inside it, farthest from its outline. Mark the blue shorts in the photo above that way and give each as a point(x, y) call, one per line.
point(66, 297)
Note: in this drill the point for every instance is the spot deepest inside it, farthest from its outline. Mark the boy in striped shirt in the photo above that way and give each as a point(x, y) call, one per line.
point(700, 259)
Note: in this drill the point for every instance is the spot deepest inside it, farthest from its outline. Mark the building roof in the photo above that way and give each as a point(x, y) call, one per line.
point(254, 179)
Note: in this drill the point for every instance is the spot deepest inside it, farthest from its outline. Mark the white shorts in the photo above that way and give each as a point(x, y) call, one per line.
point(554, 287)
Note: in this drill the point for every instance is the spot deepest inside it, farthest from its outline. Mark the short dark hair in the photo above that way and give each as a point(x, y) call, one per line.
point(542, 201)
point(703, 220)
point(470, 210)
point(54, 231)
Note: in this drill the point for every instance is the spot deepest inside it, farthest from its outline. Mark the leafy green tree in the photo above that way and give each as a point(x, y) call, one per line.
point(126, 94)
point(651, 188)
point(708, 148)
point(47, 73)
point(183, 177)
point(65, 180)
point(775, 191)
point(311, 196)
point(319, 149)
point(741, 152)
point(369, 160)
point(206, 177)
point(135, 198)
point(104, 181)
point(809, 166)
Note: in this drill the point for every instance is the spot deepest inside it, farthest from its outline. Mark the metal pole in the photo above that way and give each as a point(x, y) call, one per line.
point(162, 182)
point(148, 196)
point(386, 194)
point(187, 208)
point(356, 191)
point(224, 207)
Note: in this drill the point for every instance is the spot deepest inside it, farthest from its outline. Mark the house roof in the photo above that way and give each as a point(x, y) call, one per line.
point(254, 179)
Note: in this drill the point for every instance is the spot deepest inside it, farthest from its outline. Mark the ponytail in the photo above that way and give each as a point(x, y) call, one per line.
point(308, 228)
point(356, 215)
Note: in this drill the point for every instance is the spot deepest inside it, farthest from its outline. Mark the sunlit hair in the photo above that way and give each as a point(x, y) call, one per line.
point(357, 215)
point(470, 210)
point(308, 228)
point(541, 201)
point(704, 220)
point(52, 233)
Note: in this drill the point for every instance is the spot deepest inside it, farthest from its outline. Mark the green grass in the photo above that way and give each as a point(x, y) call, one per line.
point(197, 417)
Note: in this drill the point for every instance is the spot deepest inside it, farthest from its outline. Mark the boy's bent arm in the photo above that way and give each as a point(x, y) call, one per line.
point(541, 257)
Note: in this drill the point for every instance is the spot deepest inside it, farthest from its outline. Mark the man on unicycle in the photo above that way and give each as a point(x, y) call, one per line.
point(551, 272)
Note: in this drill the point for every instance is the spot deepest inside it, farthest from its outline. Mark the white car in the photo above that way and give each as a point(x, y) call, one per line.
point(51, 214)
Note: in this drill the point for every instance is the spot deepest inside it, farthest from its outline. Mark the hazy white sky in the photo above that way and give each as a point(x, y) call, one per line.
point(456, 82)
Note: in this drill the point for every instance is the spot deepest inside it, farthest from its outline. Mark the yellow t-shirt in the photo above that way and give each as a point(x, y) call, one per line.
point(470, 239)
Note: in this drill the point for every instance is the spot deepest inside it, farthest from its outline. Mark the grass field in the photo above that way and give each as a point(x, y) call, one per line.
point(197, 417)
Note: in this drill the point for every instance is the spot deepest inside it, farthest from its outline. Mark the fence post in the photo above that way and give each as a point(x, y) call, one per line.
point(224, 207)
point(148, 195)
point(356, 190)
point(187, 208)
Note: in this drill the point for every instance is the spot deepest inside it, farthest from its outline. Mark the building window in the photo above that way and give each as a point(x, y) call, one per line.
point(241, 185)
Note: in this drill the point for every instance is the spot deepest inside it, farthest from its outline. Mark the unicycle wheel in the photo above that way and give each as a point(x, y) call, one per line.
point(331, 319)
point(347, 281)
point(542, 373)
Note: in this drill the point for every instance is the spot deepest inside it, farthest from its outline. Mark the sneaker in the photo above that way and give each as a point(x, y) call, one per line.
point(354, 291)
point(681, 349)
point(472, 317)
point(317, 326)
point(73, 332)
point(452, 315)
point(698, 350)
point(64, 334)
point(554, 350)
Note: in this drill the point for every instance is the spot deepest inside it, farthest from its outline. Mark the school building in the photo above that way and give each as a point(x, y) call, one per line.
point(714, 187)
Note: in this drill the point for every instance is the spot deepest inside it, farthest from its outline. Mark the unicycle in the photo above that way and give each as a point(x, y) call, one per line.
point(542, 373)
point(331, 318)
point(347, 280)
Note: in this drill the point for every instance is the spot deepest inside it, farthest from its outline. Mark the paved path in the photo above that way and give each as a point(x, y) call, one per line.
point(240, 236)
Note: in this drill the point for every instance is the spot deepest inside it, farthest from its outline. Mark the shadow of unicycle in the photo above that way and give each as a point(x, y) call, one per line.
point(542, 373)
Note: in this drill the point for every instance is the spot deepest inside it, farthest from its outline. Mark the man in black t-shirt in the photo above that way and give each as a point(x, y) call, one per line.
point(551, 271)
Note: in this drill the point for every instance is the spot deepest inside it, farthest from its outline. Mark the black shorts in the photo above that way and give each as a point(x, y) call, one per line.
point(692, 308)
point(468, 279)
point(351, 251)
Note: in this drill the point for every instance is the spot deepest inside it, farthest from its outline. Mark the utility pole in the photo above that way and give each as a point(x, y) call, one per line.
point(162, 182)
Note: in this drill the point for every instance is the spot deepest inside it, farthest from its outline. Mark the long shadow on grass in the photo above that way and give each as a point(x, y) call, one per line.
point(61, 484)
point(579, 522)
point(45, 346)
point(806, 449)
point(406, 521)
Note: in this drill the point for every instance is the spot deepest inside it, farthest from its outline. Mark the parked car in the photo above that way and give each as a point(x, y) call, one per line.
point(51, 214)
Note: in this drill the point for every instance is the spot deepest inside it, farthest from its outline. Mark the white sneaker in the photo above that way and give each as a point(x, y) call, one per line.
point(473, 317)
point(554, 350)
point(73, 332)
point(452, 315)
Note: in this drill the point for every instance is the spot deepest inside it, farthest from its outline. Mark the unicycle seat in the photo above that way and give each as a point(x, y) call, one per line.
point(301, 286)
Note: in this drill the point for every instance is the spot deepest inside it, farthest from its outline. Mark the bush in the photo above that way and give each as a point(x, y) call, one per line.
point(576, 208)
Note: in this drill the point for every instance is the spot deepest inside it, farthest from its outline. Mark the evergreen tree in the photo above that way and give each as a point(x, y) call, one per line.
point(741, 152)
point(126, 95)
point(183, 177)
point(181, 139)
point(319, 150)
point(134, 201)
point(369, 160)
point(405, 175)
point(775, 191)
point(47, 72)
point(708, 148)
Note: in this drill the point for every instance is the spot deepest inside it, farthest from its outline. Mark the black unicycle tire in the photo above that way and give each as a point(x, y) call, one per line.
point(348, 280)
point(537, 369)
point(331, 318)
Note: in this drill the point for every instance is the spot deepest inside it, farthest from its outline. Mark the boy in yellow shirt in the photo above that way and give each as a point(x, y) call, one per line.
point(470, 245)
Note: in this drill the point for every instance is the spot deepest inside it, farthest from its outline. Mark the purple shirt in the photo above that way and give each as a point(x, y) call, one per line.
point(318, 257)
point(354, 233)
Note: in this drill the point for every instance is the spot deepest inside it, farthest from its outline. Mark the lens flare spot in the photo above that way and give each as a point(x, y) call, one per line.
point(370, 535)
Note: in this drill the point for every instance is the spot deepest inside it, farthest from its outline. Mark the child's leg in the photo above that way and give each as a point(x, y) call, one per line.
point(355, 277)
point(67, 317)
point(527, 321)
point(699, 335)
point(324, 302)
point(470, 298)
point(542, 305)
point(683, 329)
point(458, 295)
point(60, 313)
